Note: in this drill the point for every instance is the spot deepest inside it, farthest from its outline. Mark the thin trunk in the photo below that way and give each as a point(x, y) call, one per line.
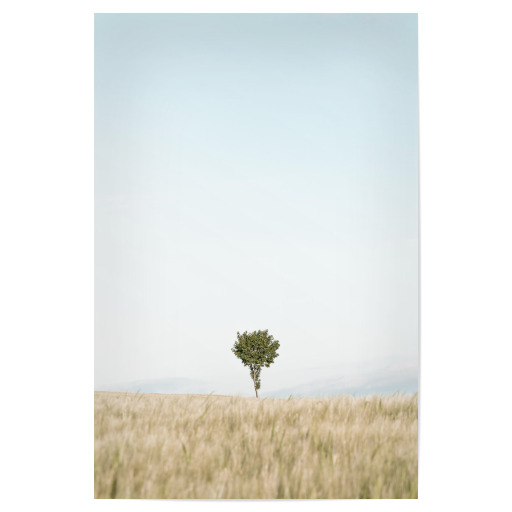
point(255, 388)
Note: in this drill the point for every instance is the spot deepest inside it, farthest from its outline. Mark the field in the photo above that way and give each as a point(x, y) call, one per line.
point(207, 446)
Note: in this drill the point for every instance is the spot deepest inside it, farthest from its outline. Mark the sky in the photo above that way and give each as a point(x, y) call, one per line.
point(255, 171)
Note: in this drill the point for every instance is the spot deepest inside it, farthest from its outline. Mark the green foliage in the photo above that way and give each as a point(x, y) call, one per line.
point(256, 350)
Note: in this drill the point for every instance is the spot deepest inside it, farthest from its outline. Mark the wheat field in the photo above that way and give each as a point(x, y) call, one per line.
point(208, 446)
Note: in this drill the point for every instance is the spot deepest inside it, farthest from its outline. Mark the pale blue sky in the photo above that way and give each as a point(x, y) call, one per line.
point(254, 172)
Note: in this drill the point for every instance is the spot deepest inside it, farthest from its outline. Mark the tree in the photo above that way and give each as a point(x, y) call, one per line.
point(256, 350)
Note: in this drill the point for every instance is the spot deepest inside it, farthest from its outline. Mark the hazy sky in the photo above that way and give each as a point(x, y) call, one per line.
point(254, 172)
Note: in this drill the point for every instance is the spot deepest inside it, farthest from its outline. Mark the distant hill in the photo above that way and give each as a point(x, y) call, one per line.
point(388, 380)
point(170, 386)
point(355, 380)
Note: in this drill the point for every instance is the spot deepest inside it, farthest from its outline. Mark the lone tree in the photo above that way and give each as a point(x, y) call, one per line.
point(256, 350)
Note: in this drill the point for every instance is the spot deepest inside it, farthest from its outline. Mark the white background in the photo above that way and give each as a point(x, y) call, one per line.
point(46, 261)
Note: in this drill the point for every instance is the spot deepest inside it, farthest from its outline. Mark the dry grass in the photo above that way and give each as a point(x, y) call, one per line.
point(199, 446)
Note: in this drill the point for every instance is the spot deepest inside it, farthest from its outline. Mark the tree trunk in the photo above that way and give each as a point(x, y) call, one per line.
point(255, 388)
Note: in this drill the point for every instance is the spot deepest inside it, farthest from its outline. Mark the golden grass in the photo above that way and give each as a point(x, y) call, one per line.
point(206, 446)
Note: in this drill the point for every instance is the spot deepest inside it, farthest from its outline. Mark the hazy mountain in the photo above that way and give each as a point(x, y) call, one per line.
point(361, 379)
point(402, 378)
point(176, 385)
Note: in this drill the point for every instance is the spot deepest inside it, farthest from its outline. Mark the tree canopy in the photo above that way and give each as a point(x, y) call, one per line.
point(256, 350)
